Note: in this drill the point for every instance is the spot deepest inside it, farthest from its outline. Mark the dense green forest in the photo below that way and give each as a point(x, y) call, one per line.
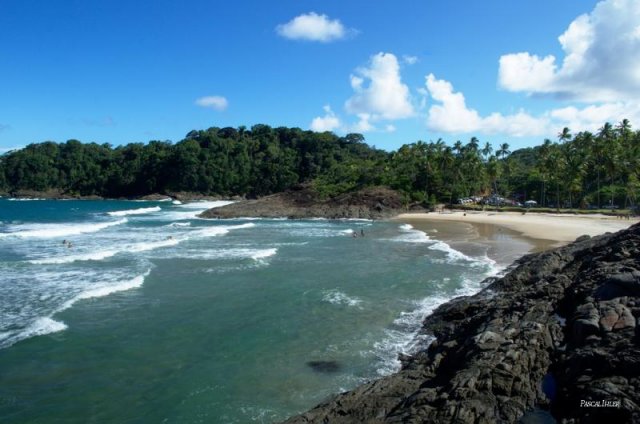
point(578, 170)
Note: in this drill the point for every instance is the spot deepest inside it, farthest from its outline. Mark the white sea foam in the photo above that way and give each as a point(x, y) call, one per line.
point(58, 230)
point(263, 254)
point(14, 199)
point(179, 224)
point(106, 289)
point(176, 202)
point(405, 336)
point(337, 297)
point(406, 227)
point(139, 211)
point(104, 254)
point(40, 327)
point(220, 229)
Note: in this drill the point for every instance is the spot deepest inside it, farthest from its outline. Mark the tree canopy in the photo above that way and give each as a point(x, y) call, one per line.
point(579, 169)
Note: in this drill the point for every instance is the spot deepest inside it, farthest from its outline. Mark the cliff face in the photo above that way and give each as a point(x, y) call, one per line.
point(303, 202)
point(558, 332)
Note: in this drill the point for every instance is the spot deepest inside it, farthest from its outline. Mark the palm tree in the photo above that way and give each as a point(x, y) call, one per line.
point(457, 147)
point(474, 143)
point(564, 135)
point(543, 168)
point(605, 133)
point(486, 150)
point(503, 150)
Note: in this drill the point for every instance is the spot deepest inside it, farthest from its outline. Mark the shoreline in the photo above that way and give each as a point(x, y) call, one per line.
point(541, 231)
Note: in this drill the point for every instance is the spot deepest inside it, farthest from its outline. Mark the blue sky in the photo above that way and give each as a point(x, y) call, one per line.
point(398, 71)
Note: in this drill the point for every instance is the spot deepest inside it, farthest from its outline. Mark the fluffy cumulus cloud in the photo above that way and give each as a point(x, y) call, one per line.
point(313, 27)
point(328, 122)
point(449, 113)
point(218, 103)
point(379, 90)
point(601, 58)
point(379, 95)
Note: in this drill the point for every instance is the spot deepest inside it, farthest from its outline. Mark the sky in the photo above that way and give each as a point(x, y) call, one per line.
point(397, 71)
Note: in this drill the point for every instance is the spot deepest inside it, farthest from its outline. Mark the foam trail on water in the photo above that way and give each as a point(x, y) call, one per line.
point(139, 211)
point(58, 230)
point(263, 254)
point(337, 297)
point(106, 289)
point(405, 336)
point(104, 254)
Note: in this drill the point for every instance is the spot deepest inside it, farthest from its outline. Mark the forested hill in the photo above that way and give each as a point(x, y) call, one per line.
point(598, 169)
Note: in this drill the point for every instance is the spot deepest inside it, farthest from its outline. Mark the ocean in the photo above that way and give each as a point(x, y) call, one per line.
point(130, 311)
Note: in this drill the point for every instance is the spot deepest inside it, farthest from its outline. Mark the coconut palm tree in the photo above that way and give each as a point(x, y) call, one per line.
point(503, 150)
point(564, 135)
point(486, 150)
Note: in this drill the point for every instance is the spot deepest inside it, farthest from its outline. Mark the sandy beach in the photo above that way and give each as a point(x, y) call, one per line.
point(505, 236)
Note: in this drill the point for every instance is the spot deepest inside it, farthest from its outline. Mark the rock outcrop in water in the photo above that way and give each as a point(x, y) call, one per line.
point(559, 333)
point(303, 202)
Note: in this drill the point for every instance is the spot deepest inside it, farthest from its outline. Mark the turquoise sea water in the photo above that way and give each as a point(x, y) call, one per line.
point(154, 315)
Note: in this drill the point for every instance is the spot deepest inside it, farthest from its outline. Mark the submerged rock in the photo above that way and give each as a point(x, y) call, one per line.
point(557, 340)
point(325, 366)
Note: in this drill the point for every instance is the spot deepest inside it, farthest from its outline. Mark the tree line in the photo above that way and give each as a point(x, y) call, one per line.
point(580, 170)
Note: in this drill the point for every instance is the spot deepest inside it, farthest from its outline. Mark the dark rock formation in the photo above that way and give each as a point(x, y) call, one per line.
point(558, 333)
point(303, 202)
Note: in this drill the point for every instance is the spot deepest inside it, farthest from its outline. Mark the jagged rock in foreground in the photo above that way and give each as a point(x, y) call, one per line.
point(558, 332)
point(303, 202)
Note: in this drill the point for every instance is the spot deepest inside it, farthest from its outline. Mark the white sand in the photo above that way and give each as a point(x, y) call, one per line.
point(561, 228)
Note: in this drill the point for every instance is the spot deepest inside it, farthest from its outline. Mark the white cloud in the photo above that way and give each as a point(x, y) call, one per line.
point(218, 103)
point(313, 27)
point(410, 60)
point(390, 128)
point(386, 96)
point(328, 122)
point(592, 117)
point(601, 58)
point(363, 124)
point(450, 114)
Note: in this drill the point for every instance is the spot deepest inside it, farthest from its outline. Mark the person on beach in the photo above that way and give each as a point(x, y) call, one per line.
point(354, 234)
point(361, 232)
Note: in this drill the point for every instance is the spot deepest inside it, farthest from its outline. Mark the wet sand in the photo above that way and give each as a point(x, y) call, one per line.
point(507, 236)
point(500, 244)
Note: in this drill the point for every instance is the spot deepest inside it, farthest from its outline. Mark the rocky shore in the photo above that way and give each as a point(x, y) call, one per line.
point(558, 333)
point(303, 202)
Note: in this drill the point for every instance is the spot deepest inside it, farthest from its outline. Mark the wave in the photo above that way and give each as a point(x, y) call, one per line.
point(140, 247)
point(15, 199)
point(41, 325)
point(104, 254)
point(179, 224)
point(107, 289)
point(337, 297)
point(222, 229)
point(263, 254)
point(58, 230)
point(139, 211)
